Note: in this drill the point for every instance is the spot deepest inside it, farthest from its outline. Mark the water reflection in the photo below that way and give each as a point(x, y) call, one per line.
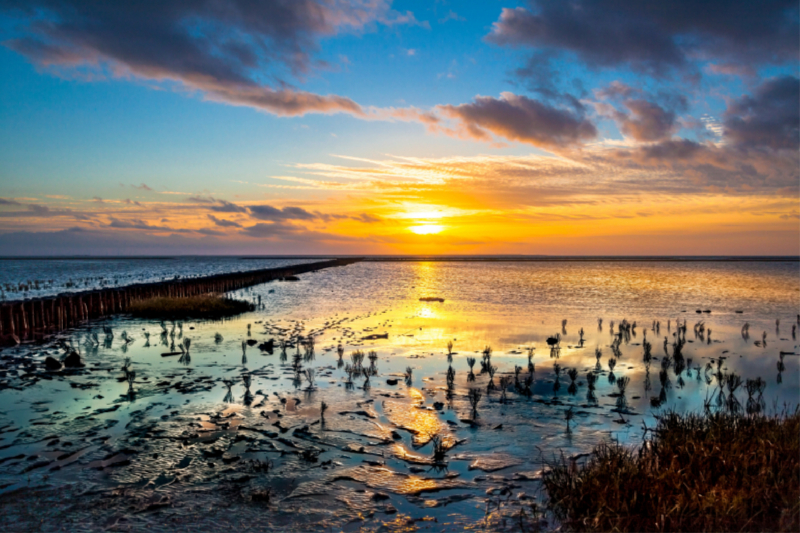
point(597, 385)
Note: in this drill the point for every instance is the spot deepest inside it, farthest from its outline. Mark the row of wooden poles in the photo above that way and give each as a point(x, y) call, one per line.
point(32, 319)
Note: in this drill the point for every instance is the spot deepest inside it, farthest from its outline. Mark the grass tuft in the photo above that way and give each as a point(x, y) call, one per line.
point(211, 306)
point(720, 472)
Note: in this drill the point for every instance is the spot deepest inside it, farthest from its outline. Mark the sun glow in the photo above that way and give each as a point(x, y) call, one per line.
point(426, 229)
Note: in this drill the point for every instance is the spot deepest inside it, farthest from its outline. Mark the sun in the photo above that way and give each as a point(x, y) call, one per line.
point(426, 229)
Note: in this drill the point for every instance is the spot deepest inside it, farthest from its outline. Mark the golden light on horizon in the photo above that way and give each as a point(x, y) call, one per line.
point(426, 229)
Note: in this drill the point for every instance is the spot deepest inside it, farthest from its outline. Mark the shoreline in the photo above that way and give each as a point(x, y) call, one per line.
point(37, 318)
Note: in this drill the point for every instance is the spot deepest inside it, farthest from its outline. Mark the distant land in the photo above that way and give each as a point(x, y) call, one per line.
point(437, 258)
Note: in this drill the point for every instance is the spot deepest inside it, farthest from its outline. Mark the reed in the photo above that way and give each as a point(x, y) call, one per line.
point(373, 362)
point(474, 396)
point(527, 389)
point(717, 472)
point(591, 380)
point(622, 384)
point(491, 371)
point(212, 306)
point(486, 362)
point(311, 375)
point(440, 446)
point(357, 359)
point(648, 351)
point(572, 373)
point(229, 395)
point(505, 382)
point(471, 362)
point(309, 346)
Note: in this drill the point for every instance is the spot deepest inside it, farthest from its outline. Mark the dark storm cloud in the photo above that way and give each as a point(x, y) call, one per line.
point(654, 35)
point(522, 119)
point(768, 119)
point(223, 48)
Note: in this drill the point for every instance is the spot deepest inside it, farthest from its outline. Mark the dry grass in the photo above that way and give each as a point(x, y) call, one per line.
point(721, 472)
point(211, 306)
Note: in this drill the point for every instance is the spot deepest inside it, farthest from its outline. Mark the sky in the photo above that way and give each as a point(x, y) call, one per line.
point(589, 127)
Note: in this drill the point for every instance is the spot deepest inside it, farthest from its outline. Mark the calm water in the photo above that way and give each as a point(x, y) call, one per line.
point(180, 444)
point(32, 278)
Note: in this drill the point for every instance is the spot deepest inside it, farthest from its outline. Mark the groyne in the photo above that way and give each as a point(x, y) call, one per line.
point(33, 319)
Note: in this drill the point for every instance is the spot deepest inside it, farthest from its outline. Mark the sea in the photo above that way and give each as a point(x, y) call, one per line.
point(231, 433)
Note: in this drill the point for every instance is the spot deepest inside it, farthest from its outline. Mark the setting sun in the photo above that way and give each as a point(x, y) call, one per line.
point(426, 229)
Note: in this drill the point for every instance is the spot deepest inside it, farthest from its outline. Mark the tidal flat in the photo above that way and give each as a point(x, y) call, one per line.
point(344, 402)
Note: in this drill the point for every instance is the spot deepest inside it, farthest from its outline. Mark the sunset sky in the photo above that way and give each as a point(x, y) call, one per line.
point(379, 127)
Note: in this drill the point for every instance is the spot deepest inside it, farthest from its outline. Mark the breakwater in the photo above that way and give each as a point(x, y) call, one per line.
point(32, 319)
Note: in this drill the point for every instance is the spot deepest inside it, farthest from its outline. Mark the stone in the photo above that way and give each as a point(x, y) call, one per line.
point(73, 360)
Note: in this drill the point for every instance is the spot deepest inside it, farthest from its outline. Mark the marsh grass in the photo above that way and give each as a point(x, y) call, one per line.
point(717, 472)
point(211, 306)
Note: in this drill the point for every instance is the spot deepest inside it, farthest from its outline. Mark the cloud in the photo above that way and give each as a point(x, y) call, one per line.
point(451, 15)
point(135, 224)
point(7, 201)
point(209, 231)
point(232, 51)
point(367, 218)
point(216, 204)
point(268, 230)
point(224, 223)
point(267, 212)
point(645, 121)
point(616, 89)
point(202, 199)
point(227, 207)
point(519, 118)
point(651, 38)
point(142, 187)
point(40, 210)
point(768, 119)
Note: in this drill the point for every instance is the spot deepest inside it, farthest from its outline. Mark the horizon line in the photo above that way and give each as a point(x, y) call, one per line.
point(427, 257)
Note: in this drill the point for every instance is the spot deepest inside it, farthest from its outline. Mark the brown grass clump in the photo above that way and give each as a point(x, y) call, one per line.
point(210, 306)
point(720, 472)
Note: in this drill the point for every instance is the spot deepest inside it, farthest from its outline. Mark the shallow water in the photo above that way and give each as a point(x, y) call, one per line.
point(182, 447)
point(34, 278)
